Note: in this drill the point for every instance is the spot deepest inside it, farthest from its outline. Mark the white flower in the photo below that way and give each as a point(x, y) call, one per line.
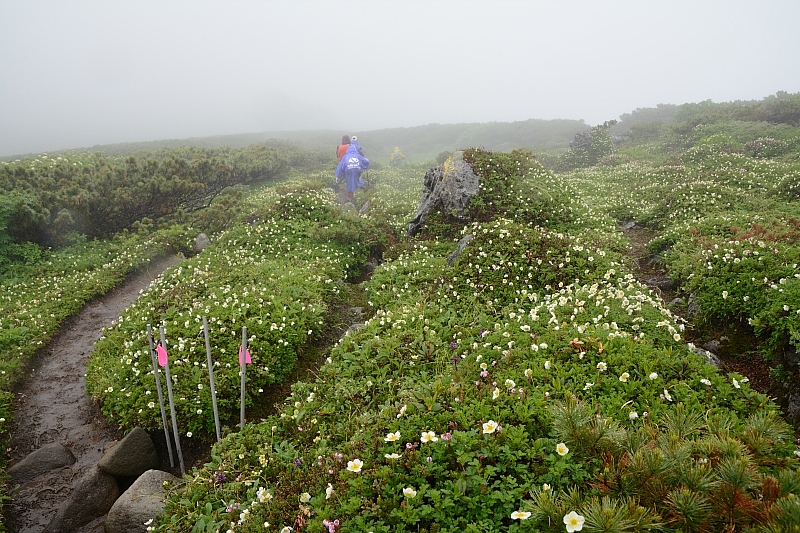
point(409, 492)
point(547, 486)
point(562, 449)
point(329, 492)
point(392, 456)
point(402, 411)
point(490, 426)
point(633, 415)
point(573, 521)
point(528, 373)
point(510, 384)
point(653, 375)
point(355, 465)
point(305, 497)
point(724, 295)
point(495, 393)
point(601, 366)
point(667, 395)
point(705, 381)
point(520, 515)
point(428, 436)
point(391, 437)
point(624, 377)
point(736, 384)
point(262, 495)
point(286, 529)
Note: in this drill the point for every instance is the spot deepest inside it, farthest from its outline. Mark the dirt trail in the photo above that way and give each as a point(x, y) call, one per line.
point(52, 406)
point(738, 353)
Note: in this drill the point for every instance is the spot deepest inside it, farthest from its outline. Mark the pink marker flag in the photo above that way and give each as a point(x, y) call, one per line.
point(162, 355)
point(246, 357)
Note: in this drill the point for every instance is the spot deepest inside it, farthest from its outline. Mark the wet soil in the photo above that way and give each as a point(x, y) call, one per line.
point(734, 344)
point(51, 405)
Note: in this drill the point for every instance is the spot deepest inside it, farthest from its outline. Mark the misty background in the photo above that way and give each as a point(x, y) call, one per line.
point(81, 73)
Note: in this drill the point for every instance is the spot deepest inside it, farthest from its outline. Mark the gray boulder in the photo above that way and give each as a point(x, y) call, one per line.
point(710, 357)
point(94, 495)
point(201, 242)
point(132, 456)
point(453, 257)
point(449, 187)
point(46, 458)
point(365, 208)
point(143, 501)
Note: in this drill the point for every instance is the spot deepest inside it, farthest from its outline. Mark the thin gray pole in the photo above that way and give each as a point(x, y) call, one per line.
point(243, 365)
point(160, 395)
point(172, 404)
point(211, 379)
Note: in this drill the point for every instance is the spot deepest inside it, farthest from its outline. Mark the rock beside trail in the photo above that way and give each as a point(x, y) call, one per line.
point(94, 495)
point(449, 187)
point(143, 501)
point(46, 458)
point(132, 456)
point(201, 242)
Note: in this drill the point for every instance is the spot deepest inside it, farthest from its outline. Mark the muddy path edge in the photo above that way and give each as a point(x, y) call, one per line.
point(51, 405)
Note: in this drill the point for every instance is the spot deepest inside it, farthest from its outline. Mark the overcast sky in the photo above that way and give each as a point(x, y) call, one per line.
point(80, 73)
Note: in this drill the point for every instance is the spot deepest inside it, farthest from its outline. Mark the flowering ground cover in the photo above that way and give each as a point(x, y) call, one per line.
point(533, 385)
point(275, 276)
point(37, 300)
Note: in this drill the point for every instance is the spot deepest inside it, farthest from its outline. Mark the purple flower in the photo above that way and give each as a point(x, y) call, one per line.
point(453, 345)
point(220, 477)
point(297, 462)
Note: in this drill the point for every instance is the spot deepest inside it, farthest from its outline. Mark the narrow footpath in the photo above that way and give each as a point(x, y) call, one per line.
point(51, 406)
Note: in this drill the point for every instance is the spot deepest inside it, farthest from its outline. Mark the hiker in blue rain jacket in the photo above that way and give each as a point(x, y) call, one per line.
point(350, 167)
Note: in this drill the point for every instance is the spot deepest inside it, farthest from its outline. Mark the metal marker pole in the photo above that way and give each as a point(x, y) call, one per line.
point(211, 379)
point(160, 395)
point(172, 405)
point(243, 365)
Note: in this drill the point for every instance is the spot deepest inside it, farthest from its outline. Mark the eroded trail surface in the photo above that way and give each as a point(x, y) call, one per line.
point(52, 406)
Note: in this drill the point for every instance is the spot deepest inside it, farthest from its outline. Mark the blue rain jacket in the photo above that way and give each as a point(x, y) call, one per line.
point(351, 166)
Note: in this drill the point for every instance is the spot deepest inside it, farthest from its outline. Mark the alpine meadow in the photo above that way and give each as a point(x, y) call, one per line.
point(605, 338)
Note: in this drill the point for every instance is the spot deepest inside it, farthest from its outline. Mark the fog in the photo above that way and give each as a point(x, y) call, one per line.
point(82, 73)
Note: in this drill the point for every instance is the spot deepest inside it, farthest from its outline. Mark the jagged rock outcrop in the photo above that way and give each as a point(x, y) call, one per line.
point(94, 495)
point(448, 187)
point(143, 501)
point(132, 456)
point(46, 458)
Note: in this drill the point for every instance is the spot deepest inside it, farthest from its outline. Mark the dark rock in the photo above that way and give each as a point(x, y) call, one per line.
point(143, 501)
point(692, 308)
point(712, 345)
point(201, 242)
point(94, 495)
point(365, 208)
point(791, 356)
point(663, 284)
point(354, 327)
point(449, 187)
point(793, 407)
point(710, 357)
point(629, 226)
point(46, 458)
point(132, 456)
point(452, 258)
